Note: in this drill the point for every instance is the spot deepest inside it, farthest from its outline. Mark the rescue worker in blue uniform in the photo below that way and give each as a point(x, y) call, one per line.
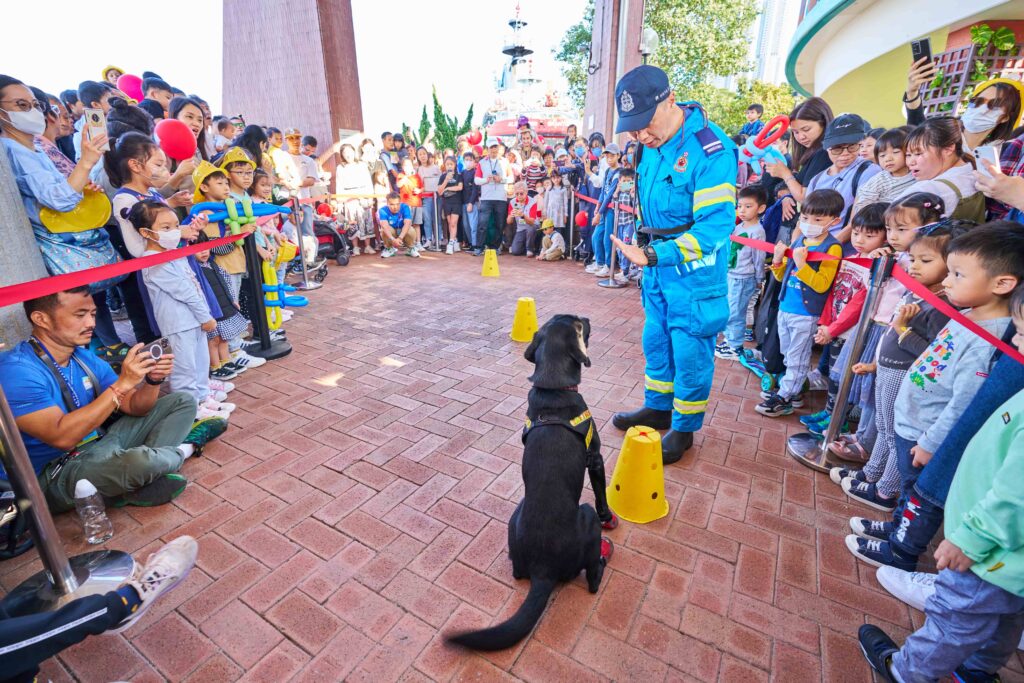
point(686, 190)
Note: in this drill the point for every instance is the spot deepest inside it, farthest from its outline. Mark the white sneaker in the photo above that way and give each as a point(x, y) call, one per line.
point(244, 360)
point(457, 248)
point(286, 315)
point(164, 570)
point(369, 250)
point(218, 395)
point(621, 278)
point(816, 382)
point(603, 271)
point(426, 245)
point(204, 411)
point(388, 253)
point(221, 386)
point(355, 251)
point(592, 268)
point(529, 254)
point(414, 252)
point(218, 406)
point(450, 249)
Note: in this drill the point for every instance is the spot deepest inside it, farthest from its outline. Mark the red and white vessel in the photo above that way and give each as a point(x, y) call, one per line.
point(520, 92)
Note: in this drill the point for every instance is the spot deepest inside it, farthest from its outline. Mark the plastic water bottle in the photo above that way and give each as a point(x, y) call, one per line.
point(92, 512)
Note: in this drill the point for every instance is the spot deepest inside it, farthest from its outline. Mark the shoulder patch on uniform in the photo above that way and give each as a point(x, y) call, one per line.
point(709, 142)
point(1006, 418)
point(682, 162)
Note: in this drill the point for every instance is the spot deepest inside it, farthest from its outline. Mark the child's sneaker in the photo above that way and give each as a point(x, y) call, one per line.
point(218, 396)
point(816, 381)
point(232, 367)
point(204, 431)
point(225, 387)
point(414, 252)
point(913, 588)
point(878, 648)
point(867, 493)
point(592, 268)
point(450, 249)
point(797, 401)
point(222, 374)
point(218, 406)
point(388, 253)
point(775, 406)
point(355, 251)
point(837, 474)
point(820, 416)
point(877, 553)
point(164, 570)
point(204, 412)
point(369, 250)
point(871, 529)
point(727, 353)
point(241, 359)
point(603, 271)
point(819, 428)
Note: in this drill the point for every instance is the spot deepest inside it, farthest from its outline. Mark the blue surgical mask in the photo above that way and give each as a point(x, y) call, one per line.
point(629, 158)
point(580, 151)
point(598, 151)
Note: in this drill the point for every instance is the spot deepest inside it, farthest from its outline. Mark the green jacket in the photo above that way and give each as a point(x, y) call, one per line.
point(985, 508)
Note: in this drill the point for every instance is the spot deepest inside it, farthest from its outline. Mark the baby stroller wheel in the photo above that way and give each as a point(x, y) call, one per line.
point(341, 259)
point(319, 275)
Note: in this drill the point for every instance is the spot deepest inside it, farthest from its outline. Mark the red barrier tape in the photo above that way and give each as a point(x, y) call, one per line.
point(15, 294)
point(623, 207)
point(910, 283)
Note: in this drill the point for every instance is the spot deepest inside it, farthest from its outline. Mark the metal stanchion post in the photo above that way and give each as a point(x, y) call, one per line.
point(807, 448)
point(611, 282)
point(269, 348)
point(571, 220)
point(62, 580)
point(436, 244)
point(305, 285)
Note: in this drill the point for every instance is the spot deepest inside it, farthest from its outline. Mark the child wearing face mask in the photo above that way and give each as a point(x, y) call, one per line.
point(805, 287)
point(179, 306)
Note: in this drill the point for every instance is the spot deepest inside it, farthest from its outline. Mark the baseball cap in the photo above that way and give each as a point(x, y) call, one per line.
point(292, 132)
point(638, 94)
point(493, 142)
point(844, 129)
point(561, 153)
point(612, 149)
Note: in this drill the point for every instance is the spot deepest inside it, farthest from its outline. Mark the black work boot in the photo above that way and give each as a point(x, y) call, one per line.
point(674, 444)
point(644, 417)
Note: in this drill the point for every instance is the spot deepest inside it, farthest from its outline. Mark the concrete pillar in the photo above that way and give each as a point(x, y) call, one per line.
point(20, 260)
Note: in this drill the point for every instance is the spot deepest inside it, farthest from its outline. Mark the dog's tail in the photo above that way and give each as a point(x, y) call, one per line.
point(510, 632)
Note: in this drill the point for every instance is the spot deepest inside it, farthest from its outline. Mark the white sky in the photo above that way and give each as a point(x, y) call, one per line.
point(455, 44)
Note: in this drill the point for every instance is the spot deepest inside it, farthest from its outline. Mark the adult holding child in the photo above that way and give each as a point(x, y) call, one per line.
point(690, 220)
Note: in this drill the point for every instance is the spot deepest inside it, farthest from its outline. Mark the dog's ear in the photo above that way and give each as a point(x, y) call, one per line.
point(531, 351)
point(578, 351)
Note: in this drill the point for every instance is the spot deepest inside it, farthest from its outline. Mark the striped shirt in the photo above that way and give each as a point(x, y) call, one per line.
point(883, 187)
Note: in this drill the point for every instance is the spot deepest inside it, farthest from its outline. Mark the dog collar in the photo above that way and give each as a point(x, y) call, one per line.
point(574, 387)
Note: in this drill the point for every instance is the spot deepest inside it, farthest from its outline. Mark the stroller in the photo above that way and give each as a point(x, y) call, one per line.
point(333, 242)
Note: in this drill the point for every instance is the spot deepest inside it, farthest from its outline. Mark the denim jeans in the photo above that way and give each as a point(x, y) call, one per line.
point(970, 622)
point(912, 519)
point(601, 240)
point(741, 289)
point(469, 221)
point(307, 221)
point(428, 220)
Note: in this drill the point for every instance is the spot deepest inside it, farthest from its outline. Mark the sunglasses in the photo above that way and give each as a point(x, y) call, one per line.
point(994, 103)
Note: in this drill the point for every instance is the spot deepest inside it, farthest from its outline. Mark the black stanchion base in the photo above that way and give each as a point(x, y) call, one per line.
point(278, 349)
point(97, 572)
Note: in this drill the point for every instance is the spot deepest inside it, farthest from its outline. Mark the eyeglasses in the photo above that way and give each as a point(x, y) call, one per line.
point(244, 174)
point(994, 103)
point(852, 148)
point(28, 105)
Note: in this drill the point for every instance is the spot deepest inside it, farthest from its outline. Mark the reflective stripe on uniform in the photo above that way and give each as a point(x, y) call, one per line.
point(689, 247)
point(726, 192)
point(689, 407)
point(658, 386)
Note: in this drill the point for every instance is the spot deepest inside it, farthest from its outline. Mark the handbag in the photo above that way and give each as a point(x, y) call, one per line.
point(70, 252)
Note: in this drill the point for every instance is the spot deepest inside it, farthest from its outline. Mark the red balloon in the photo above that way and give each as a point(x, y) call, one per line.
point(539, 139)
point(478, 150)
point(131, 86)
point(474, 137)
point(581, 219)
point(176, 139)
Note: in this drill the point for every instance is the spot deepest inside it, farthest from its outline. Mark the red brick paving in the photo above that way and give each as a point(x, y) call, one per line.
point(356, 511)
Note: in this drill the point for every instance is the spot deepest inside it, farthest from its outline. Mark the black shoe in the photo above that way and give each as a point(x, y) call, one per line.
point(161, 490)
point(878, 649)
point(674, 444)
point(644, 417)
point(965, 675)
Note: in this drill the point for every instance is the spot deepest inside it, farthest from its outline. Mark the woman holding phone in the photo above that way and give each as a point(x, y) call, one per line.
point(450, 187)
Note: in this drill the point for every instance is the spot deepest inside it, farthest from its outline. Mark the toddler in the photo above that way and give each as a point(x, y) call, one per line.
point(805, 286)
point(179, 306)
point(230, 324)
point(745, 265)
point(553, 245)
point(895, 179)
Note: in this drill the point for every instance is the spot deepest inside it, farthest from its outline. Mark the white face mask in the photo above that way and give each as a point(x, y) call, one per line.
point(981, 119)
point(168, 239)
point(31, 122)
point(811, 230)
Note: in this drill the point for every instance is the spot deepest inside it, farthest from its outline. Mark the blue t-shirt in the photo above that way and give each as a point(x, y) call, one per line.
point(30, 386)
point(395, 220)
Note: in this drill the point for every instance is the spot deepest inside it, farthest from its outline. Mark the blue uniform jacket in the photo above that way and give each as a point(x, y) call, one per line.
point(687, 181)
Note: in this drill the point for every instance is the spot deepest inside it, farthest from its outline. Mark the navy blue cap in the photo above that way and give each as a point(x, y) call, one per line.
point(637, 96)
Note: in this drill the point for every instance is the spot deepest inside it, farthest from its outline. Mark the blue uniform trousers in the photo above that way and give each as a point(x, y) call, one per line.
point(684, 311)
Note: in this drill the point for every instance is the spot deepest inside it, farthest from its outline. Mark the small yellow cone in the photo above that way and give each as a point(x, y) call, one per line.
point(524, 325)
point(490, 268)
point(637, 491)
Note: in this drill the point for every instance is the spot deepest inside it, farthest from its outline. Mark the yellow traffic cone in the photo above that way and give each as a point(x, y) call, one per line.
point(490, 268)
point(637, 491)
point(524, 325)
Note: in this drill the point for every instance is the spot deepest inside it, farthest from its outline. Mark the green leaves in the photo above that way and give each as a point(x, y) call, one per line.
point(1004, 39)
point(424, 128)
point(981, 35)
point(728, 108)
point(446, 128)
point(980, 72)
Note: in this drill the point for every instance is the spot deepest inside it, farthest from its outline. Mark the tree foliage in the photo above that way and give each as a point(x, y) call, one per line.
point(727, 108)
point(447, 128)
point(573, 52)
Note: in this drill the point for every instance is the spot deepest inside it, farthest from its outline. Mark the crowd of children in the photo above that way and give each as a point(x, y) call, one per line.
point(913, 196)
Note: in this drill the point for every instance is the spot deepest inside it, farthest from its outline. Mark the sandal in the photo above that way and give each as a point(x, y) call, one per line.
point(848, 448)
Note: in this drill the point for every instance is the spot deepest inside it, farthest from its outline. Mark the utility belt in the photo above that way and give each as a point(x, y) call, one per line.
point(657, 234)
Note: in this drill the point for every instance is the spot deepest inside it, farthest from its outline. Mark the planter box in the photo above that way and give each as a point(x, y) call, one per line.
point(957, 67)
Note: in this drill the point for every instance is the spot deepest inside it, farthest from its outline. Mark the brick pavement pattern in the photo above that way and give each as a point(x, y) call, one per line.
point(357, 508)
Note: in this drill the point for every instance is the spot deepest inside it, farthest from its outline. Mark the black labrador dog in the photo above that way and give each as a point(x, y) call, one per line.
point(551, 537)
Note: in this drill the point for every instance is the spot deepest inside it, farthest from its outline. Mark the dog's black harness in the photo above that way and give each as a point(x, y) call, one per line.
point(582, 425)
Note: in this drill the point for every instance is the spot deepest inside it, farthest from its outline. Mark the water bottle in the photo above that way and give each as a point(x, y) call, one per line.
point(92, 512)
